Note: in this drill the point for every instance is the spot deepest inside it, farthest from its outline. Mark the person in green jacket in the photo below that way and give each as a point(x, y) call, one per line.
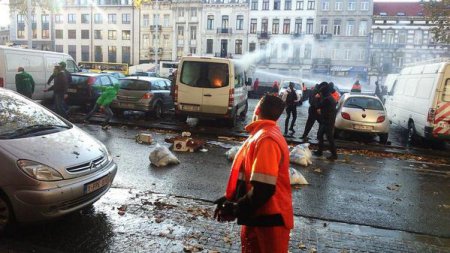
point(24, 83)
point(109, 93)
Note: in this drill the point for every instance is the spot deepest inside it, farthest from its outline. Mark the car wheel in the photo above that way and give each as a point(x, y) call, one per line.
point(244, 112)
point(117, 112)
point(383, 138)
point(411, 133)
point(158, 110)
point(5, 213)
point(232, 122)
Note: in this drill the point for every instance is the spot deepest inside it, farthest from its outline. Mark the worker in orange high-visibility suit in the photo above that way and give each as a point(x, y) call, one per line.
point(356, 87)
point(259, 191)
point(334, 93)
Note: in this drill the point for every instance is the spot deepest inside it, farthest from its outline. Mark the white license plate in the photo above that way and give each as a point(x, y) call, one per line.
point(93, 186)
point(361, 127)
point(190, 107)
point(72, 90)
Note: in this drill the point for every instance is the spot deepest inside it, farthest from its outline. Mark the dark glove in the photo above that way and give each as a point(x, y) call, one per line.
point(225, 210)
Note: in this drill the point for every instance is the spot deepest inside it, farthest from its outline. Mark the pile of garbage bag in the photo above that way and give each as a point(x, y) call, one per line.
point(161, 156)
point(301, 154)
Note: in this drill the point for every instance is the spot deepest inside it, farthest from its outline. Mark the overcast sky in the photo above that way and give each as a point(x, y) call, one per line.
point(4, 10)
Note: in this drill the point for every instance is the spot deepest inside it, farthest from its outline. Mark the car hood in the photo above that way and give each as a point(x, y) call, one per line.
point(60, 150)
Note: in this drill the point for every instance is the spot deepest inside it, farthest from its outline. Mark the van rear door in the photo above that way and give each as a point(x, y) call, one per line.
point(441, 128)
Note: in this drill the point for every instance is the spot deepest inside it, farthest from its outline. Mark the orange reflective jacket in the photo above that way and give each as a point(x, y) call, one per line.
point(336, 96)
point(264, 157)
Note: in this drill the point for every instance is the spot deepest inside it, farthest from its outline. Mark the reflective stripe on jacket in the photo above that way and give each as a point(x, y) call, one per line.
point(276, 172)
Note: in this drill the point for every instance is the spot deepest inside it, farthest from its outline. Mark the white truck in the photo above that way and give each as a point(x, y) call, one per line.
point(38, 63)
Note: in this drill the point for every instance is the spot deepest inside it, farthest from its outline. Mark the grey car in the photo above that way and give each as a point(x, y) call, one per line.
point(141, 93)
point(48, 167)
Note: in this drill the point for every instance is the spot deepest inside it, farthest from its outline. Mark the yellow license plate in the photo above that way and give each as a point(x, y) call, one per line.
point(93, 186)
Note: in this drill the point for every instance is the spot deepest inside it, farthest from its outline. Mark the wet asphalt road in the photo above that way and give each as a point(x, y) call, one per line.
point(358, 189)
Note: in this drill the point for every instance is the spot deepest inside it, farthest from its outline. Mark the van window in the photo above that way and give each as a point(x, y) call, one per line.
point(426, 86)
point(446, 93)
point(204, 74)
point(238, 78)
point(411, 86)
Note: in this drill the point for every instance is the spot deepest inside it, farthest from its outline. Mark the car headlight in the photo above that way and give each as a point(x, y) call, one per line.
point(39, 171)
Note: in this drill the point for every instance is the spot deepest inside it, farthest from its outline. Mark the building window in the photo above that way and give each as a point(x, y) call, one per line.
point(362, 28)
point(337, 27)
point(265, 5)
point(275, 26)
point(276, 5)
point(192, 50)
point(264, 25)
point(240, 22)
point(155, 19)
point(98, 18)
point(309, 26)
point(85, 18)
point(209, 46)
point(338, 5)
point(376, 37)
point(238, 47)
point(253, 25)
point(72, 34)
point(45, 34)
point(252, 47)
point(181, 12)
point(307, 51)
point(112, 34)
point(298, 26)
point(347, 54)
point(390, 36)
point(71, 18)
point(126, 55)
point(210, 22)
point(166, 20)
point(288, 5)
point(85, 53)
point(59, 18)
point(351, 5)
point(324, 26)
point(45, 19)
point(98, 34)
point(350, 27)
point(146, 20)
point(402, 37)
point(193, 33)
point(325, 5)
point(126, 35)
point(59, 34)
point(126, 18)
point(146, 40)
point(193, 12)
point(180, 31)
point(112, 54)
point(254, 5)
point(299, 5)
point(364, 5)
point(59, 48)
point(84, 34)
point(98, 54)
point(112, 18)
point(418, 37)
point(73, 51)
point(225, 21)
point(311, 4)
point(287, 26)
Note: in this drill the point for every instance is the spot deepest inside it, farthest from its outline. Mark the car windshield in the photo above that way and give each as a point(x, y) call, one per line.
point(285, 85)
point(364, 103)
point(20, 117)
point(130, 84)
point(76, 79)
point(204, 74)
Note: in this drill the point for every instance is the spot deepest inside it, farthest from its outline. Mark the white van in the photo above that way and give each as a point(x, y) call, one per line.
point(35, 62)
point(166, 68)
point(208, 87)
point(419, 100)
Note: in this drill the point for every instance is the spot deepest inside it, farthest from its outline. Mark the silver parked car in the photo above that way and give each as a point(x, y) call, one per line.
point(363, 114)
point(48, 167)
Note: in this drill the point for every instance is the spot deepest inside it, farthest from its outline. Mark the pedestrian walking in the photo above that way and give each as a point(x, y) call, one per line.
point(326, 110)
point(312, 111)
point(109, 93)
point(290, 98)
point(24, 83)
point(275, 88)
point(258, 193)
point(59, 88)
point(356, 87)
point(378, 91)
point(255, 88)
point(173, 81)
point(62, 66)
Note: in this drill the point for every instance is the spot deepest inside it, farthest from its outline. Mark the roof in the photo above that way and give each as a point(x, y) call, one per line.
point(144, 78)
point(396, 8)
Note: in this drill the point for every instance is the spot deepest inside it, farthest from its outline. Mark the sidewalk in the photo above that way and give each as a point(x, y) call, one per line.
point(130, 221)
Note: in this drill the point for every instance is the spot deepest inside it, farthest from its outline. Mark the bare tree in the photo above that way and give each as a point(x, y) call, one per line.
point(438, 13)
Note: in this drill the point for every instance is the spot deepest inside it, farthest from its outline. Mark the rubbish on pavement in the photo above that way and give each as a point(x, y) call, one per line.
point(192, 248)
point(161, 156)
point(204, 150)
point(186, 134)
point(185, 144)
point(301, 155)
point(224, 138)
point(318, 170)
point(144, 138)
point(301, 246)
point(393, 187)
point(231, 153)
point(296, 177)
point(122, 209)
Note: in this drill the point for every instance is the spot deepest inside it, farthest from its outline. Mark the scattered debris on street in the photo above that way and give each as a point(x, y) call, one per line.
point(161, 156)
point(144, 138)
point(296, 177)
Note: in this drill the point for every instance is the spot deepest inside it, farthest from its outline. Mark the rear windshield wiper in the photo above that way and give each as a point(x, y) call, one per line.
point(358, 106)
point(35, 129)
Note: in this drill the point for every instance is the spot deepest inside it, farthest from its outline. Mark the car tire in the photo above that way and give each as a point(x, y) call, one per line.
point(118, 112)
point(243, 114)
point(383, 138)
point(232, 122)
point(158, 110)
point(6, 215)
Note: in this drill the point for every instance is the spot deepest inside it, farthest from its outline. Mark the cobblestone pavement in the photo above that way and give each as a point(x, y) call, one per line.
point(131, 221)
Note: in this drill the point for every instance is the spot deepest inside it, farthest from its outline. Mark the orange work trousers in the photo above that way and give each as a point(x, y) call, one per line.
point(265, 239)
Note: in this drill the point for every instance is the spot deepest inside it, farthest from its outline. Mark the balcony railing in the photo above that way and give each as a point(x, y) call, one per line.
point(326, 36)
point(321, 61)
point(387, 45)
point(297, 34)
point(263, 35)
point(224, 30)
point(223, 55)
point(155, 28)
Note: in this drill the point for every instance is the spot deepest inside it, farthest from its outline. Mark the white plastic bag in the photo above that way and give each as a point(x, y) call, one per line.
point(301, 155)
point(296, 177)
point(161, 156)
point(231, 153)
